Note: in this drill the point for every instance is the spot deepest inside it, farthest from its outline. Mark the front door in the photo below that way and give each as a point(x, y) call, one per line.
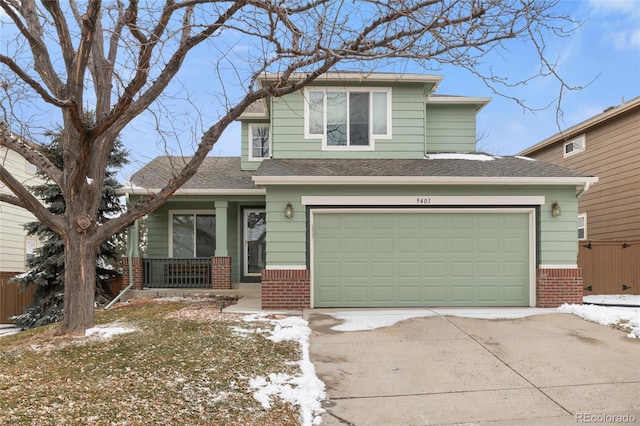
point(255, 231)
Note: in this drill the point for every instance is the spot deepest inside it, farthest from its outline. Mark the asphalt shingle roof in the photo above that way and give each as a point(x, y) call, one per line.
point(214, 173)
point(224, 172)
point(498, 167)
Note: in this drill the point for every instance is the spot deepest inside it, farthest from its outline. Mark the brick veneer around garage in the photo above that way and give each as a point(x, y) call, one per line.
point(557, 286)
point(286, 289)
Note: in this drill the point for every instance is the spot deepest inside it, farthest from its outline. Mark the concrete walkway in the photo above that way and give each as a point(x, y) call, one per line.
point(553, 369)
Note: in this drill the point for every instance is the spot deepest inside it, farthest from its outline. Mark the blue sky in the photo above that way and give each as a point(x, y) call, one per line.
point(603, 55)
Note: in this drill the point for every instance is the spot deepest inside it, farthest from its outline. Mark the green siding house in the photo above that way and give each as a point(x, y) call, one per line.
point(367, 191)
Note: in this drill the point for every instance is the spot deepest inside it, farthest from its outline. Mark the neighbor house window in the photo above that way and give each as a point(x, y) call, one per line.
point(259, 142)
point(574, 146)
point(582, 226)
point(30, 245)
point(193, 234)
point(348, 118)
point(32, 168)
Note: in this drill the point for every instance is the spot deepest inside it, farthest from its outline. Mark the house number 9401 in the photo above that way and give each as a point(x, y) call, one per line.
point(423, 200)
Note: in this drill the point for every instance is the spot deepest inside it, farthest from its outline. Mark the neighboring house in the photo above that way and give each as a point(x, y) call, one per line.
point(608, 146)
point(15, 246)
point(365, 190)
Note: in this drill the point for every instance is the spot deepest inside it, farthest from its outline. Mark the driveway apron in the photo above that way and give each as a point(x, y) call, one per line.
point(542, 370)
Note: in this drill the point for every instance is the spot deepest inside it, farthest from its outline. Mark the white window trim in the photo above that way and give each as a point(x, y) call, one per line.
point(584, 216)
point(575, 150)
point(36, 244)
point(31, 168)
point(323, 137)
point(250, 140)
point(173, 212)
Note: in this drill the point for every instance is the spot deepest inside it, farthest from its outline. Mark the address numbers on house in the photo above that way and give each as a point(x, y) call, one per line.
point(423, 200)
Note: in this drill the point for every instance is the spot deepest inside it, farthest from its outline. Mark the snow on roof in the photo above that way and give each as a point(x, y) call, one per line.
point(460, 156)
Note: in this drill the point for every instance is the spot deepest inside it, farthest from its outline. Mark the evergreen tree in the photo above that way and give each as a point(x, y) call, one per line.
point(46, 268)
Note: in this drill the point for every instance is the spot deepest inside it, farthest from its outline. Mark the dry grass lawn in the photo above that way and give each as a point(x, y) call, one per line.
point(184, 365)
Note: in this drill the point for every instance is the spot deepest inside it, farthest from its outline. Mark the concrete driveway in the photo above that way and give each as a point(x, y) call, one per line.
point(550, 369)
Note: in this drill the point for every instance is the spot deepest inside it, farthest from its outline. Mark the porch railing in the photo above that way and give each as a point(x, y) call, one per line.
point(177, 273)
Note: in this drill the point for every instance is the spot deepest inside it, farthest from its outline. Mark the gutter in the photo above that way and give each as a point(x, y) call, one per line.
point(585, 188)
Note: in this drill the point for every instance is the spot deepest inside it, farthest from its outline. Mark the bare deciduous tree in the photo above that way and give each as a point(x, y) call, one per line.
point(117, 59)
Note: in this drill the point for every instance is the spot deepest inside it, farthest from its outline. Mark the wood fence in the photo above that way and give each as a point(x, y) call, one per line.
point(610, 267)
point(13, 299)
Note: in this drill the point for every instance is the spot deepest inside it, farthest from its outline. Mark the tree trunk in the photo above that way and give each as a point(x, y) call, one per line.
point(79, 283)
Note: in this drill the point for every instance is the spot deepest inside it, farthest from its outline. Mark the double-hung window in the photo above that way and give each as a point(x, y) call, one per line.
point(348, 118)
point(582, 226)
point(259, 141)
point(193, 234)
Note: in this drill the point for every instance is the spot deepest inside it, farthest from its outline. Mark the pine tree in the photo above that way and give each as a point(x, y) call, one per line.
point(46, 268)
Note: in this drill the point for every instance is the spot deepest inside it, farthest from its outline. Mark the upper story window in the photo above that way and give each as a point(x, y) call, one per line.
point(575, 146)
point(259, 142)
point(582, 226)
point(349, 119)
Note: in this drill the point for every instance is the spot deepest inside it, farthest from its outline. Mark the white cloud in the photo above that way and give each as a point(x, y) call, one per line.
point(619, 21)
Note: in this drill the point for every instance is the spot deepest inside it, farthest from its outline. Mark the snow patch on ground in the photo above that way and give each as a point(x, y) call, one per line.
point(362, 320)
point(459, 156)
point(613, 299)
point(107, 331)
point(628, 318)
point(306, 390)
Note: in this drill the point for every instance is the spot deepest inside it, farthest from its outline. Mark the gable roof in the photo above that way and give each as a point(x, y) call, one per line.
point(216, 175)
point(440, 169)
point(584, 126)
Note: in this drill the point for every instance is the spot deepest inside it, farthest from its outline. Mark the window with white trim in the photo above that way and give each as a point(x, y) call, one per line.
point(575, 146)
point(192, 234)
point(347, 119)
point(32, 168)
point(30, 245)
point(582, 226)
point(259, 141)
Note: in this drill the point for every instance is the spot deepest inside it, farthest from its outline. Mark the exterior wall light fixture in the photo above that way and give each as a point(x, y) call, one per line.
point(288, 211)
point(555, 209)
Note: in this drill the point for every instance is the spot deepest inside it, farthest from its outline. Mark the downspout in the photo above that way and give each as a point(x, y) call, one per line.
point(130, 262)
point(584, 189)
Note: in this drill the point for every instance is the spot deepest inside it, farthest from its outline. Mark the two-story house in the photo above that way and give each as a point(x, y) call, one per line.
point(608, 146)
point(15, 246)
point(365, 190)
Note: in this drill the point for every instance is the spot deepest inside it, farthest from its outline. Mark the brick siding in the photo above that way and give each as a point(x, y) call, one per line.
point(138, 273)
point(221, 273)
point(286, 289)
point(557, 286)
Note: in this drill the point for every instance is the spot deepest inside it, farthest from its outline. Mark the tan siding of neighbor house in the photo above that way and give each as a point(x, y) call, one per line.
point(613, 154)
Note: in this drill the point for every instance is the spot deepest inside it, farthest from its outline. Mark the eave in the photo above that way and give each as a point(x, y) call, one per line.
point(421, 180)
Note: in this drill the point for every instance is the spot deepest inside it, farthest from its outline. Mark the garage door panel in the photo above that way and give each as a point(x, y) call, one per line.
point(381, 245)
point(408, 245)
point(383, 270)
point(358, 270)
point(421, 259)
point(409, 270)
point(381, 294)
point(461, 245)
point(408, 294)
point(355, 294)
